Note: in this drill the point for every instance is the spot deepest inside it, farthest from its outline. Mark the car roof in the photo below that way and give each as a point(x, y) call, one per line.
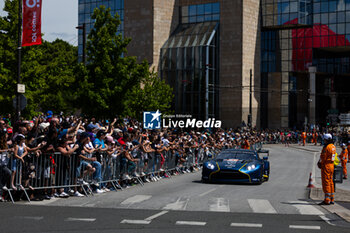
point(242, 151)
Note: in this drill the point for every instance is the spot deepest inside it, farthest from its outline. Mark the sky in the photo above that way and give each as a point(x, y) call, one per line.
point(59, 19)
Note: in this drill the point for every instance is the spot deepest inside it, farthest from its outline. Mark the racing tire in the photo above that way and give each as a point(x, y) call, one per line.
point(205, 181)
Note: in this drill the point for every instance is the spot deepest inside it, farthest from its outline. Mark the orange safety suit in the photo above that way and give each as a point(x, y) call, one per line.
point(246, 145)
point(327, 170)
point(314, 138)
point(348, 147)
point(344, 160)
point(303, 137)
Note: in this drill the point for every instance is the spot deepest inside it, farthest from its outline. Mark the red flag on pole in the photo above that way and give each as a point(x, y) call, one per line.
point(31, 34)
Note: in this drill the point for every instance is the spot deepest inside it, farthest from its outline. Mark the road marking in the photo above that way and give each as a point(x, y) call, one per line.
point(80, 219)
point(180, 204)
point(219, 205)
point(136, 199)
point(192, 223)
point(305, 227)
point(261, 206)
point(306, 208)
point(205, 193)
point(128, 221)
point(327, 220)
point(156, 215)
point(37, 218)
point(246, 225)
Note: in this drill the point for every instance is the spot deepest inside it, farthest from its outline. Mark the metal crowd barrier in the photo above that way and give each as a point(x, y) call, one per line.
point(56, 171)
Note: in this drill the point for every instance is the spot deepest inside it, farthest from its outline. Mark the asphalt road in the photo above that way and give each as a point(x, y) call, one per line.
point(183, 203)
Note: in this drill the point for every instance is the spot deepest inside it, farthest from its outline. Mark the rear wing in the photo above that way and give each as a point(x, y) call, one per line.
point(265, 153)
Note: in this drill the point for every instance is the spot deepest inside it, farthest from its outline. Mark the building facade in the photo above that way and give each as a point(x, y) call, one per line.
point(305, 55)
point(276, 63)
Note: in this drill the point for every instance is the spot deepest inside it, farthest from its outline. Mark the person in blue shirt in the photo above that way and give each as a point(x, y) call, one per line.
point(99, 144)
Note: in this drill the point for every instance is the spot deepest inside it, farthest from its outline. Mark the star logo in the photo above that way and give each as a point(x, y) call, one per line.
point(156, 115)
point(152, 120)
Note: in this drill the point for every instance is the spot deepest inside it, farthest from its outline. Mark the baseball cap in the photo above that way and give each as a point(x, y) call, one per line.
point(110, 139)
point(49, 114)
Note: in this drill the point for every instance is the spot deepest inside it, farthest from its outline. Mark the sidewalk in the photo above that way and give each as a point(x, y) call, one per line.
point(342, 194)
point(345, 186)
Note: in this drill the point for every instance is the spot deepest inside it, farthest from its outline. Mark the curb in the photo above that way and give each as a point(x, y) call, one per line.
point(316, 194)
point(306, 149)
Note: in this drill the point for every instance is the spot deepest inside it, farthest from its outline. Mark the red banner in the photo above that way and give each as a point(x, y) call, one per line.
point(31, 34)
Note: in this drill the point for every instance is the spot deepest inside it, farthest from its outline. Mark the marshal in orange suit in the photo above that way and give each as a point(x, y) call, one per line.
point(344, 159)
point(326, 163)
point(303, 137)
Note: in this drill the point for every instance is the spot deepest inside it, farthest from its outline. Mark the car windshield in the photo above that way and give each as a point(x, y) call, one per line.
point(235, 155)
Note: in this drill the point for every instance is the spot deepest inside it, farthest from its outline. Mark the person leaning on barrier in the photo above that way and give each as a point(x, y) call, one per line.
point(326, 164)
point(63, 163)
point(99, 144)
point(20, 151)
point(127, 153)
point(82, 159)
point(5, 172)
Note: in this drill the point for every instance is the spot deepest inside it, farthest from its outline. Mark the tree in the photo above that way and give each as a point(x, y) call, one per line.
point(48, 70)
point(113, 83)
point(154, 94)
point(49, 74)
point(109, 74)
point(8, 55)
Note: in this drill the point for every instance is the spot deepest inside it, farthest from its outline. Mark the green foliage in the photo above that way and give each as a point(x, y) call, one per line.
point(110, 75)
point(110, 84)
point(48, 70)
point(153, 94)
point(8, 55)
point(49, 74)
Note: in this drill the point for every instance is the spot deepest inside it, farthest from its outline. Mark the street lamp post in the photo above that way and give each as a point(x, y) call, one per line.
point(250, 99)
point(83, 27)
point(19, 50)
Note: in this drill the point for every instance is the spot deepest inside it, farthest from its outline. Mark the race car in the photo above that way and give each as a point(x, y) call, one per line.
point(237, 166)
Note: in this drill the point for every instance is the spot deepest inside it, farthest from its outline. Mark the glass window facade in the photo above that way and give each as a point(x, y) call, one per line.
point(200, 13)
point(86, 8)
point(189, 63)
point(297, 34)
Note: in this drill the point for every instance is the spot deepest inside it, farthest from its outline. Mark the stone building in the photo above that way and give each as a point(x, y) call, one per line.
point(283, 61)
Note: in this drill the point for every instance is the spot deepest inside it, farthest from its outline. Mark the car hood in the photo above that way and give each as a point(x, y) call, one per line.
point(232, 163)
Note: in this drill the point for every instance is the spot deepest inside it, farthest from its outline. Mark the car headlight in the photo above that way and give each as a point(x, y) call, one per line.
point(210, 166)
point(251, 167)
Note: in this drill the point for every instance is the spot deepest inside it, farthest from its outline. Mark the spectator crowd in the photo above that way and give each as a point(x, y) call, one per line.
point(61, 156)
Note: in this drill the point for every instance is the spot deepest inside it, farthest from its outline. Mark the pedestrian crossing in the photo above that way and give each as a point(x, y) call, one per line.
point(221, 204)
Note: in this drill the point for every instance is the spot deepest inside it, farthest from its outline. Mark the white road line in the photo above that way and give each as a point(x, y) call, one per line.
point(246, 225)
point(219, 205)
point(80, 219)
point(37, 218)
point(156, 215)
point(306, 208)
point(207, 192)
point(261, 206)
point(180, 204)
point(135, 199)
point(305, 227)
point(128, 221)
point(192, 223)
point(327, 220)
